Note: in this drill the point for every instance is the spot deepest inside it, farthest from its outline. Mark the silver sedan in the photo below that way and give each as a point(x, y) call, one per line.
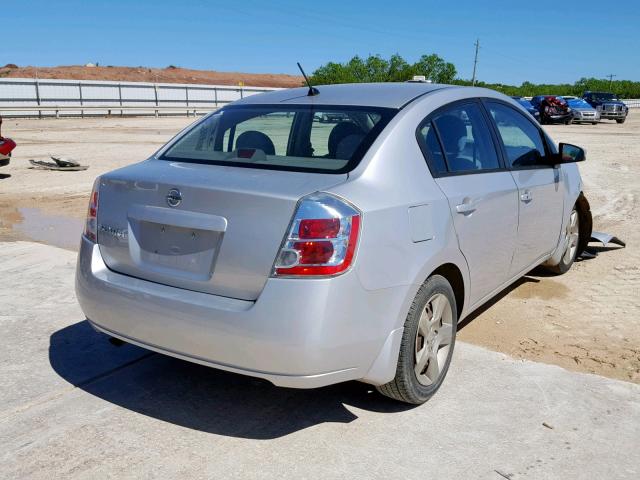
point(311, 238)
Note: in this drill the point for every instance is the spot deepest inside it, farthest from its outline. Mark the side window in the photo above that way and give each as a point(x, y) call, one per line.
point(466, 140)
point(427, 134)
point(521, 139)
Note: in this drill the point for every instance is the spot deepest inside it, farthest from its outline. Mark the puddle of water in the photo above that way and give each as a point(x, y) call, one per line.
point(56, 230)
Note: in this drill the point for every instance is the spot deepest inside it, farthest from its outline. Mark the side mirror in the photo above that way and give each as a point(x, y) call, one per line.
point(570, 154)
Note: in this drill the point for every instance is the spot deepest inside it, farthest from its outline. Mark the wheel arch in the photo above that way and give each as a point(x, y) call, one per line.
point(453, 275)
point(586, 222)
point(383, 368)
point(585, 228)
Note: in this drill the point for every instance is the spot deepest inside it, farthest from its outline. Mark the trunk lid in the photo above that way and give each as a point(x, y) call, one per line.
point(221, 237)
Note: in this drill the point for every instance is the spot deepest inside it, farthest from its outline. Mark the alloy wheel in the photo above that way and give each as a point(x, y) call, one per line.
point(433, 339)
point(572, 236)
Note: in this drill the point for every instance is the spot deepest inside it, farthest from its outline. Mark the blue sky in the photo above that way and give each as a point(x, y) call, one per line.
point(542, 41)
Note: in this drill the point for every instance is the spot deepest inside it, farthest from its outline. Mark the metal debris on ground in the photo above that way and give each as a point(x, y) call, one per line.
point(605, 238)
point(59, 164)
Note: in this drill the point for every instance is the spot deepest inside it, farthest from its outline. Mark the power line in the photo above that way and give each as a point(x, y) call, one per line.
point(475, 62)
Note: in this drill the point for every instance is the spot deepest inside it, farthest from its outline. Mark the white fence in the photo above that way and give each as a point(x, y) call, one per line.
point(88, 97)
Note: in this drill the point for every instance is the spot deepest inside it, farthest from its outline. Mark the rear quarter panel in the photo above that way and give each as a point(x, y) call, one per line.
point(392, 178)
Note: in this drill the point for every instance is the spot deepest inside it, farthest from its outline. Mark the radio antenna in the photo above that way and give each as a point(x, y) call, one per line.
point(312, 90)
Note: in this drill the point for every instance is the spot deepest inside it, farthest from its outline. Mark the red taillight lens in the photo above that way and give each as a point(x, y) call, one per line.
point(91, 225)
point(319, 228)
point(322, 240)
point(314, 252)
point(93, 205)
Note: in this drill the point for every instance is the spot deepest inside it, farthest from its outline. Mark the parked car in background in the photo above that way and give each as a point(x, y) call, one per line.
point(6, 147)
point(609, 105)
point(528, 106)
point(261, 242)
point(331, 117)
point(582, 111)
point(553, 109)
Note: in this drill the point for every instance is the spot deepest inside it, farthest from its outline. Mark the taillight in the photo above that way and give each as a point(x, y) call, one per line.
point(91, 225)
point(322, 239)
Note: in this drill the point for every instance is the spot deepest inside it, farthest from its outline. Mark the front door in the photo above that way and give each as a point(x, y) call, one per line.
point(540, 186)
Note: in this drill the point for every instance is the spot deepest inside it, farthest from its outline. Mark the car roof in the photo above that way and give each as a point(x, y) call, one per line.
point(386, 95)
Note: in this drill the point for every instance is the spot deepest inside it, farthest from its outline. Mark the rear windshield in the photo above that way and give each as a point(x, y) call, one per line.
point(298, 138)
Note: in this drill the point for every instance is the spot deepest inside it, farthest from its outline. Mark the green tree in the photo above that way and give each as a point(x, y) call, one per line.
point(399, 70)
point(377, 69)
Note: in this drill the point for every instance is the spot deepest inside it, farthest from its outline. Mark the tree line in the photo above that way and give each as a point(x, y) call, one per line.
point(375, 68)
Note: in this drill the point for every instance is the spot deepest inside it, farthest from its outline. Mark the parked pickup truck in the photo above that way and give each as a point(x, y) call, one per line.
point(608, 104)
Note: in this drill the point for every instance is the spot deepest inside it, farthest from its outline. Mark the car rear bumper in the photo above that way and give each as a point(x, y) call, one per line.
point(298, 333)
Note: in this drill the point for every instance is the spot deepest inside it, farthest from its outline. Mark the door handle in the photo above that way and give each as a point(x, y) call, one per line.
point(526, 196)
point(466, 207)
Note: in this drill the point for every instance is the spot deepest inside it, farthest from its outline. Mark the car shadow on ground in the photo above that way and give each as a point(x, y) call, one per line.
point(529, 278)
point(4, 176)
point(199, 397)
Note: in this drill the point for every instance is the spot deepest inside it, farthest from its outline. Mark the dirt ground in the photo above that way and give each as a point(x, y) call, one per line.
point(161, 75)
point(587, 320)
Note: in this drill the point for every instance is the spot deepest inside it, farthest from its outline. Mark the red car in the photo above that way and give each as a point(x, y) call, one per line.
point(6, 146)
point(553, 109)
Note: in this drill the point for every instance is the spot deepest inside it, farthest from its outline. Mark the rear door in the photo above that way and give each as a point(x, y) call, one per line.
point(482, 195)
point(540, 186)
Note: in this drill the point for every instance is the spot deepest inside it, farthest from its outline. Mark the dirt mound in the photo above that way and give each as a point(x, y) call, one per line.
point(171, 74)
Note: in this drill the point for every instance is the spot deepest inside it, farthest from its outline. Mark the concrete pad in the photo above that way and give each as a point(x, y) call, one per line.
point(37, 299)
point(75, 406)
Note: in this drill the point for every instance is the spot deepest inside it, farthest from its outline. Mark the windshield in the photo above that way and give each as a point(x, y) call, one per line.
point(578, 103)
point(298, 138)
point(603, 97)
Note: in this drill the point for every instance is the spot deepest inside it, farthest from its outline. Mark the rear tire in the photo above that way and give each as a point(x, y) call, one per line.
point(427, 344)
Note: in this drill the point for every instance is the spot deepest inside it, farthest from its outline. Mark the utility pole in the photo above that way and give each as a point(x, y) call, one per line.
point(610, 77)
point(475, 62)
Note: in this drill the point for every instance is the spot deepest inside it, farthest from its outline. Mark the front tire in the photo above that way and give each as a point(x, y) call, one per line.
point(427, 343)
point(572, 238)
point(621, 120)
